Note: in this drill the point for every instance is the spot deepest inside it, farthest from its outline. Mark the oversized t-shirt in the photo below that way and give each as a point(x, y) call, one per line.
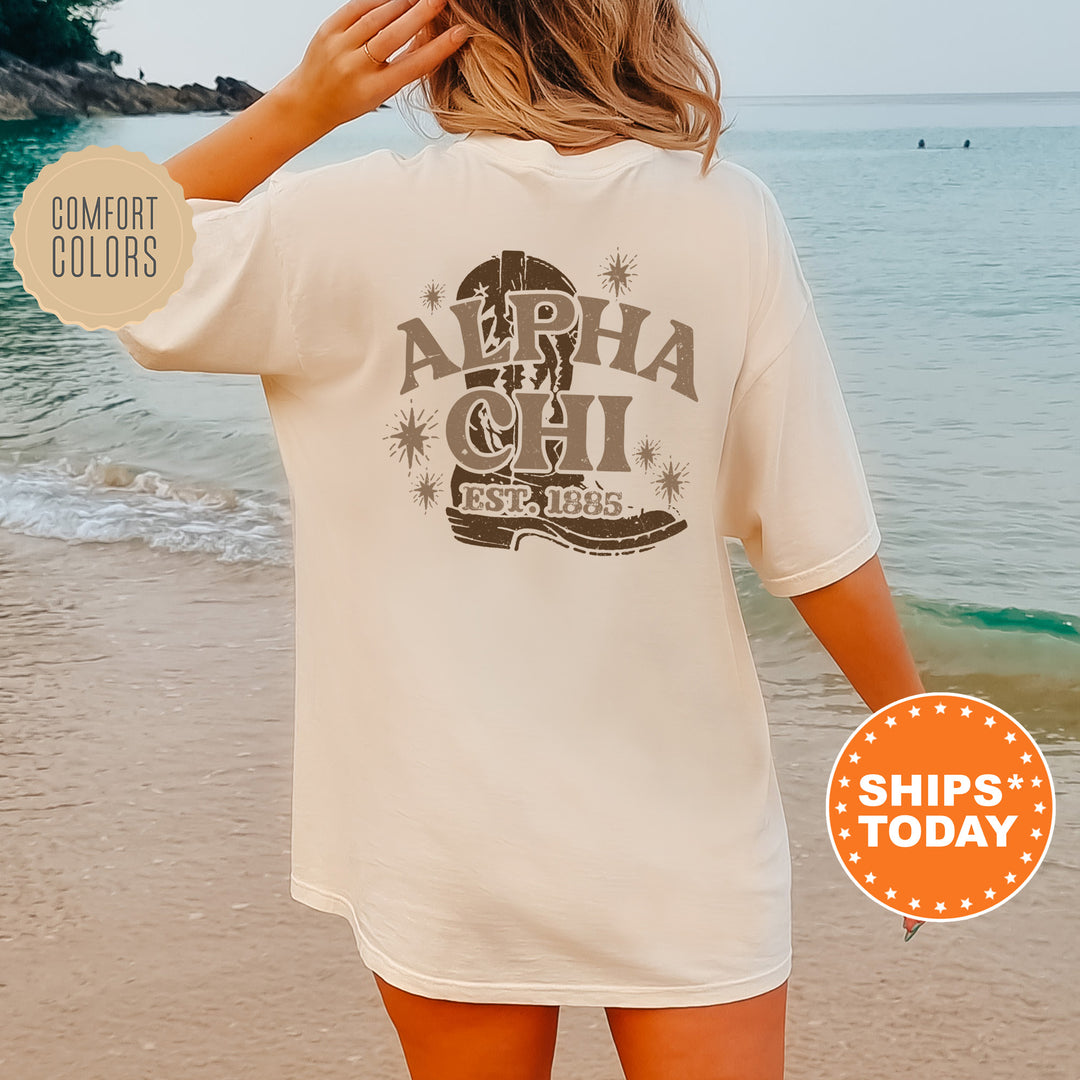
point(521, 398)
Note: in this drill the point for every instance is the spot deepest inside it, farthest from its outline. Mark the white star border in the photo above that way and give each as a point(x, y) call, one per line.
point(888, 718)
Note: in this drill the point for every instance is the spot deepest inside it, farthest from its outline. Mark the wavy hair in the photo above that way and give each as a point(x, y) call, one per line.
point(575, 72)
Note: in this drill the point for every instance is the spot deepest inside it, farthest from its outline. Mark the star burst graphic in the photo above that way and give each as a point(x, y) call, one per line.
point(671, 481)
point(646, 452)
point(409, 439)
point(617, 272)
point(425, 490)
point(432, 296)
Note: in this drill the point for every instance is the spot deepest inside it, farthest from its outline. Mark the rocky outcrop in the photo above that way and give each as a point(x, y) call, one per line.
point(83, 89)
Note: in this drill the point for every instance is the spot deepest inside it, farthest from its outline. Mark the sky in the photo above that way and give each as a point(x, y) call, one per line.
point(762, 47)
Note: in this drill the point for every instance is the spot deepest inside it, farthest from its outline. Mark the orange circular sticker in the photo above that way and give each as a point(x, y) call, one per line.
point(941, 807)
point(103, 237)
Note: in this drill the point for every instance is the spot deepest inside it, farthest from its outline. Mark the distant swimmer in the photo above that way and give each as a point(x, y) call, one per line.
point(967, 144)
point(922, 144)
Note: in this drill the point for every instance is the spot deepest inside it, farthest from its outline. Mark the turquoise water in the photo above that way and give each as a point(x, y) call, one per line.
point(948, 285)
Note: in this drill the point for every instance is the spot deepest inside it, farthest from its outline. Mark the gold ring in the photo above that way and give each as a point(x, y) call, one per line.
point(379, 63)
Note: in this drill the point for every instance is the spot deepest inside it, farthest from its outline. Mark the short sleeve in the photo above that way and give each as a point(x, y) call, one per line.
point(231, 315)
point(791, 486)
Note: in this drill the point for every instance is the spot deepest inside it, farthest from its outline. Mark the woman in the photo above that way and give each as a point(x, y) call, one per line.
point(523, 386)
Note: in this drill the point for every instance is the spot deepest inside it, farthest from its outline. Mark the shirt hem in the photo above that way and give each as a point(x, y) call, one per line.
point(415, 982)
point(829, 572)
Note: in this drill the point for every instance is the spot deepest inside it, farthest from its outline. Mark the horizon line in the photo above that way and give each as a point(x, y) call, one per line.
point(921, 94)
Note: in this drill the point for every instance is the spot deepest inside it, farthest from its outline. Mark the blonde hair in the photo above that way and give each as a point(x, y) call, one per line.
point(575, 72)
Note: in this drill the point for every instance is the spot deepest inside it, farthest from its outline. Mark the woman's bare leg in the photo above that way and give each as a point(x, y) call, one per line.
point(743, 1040)
point(457, 1040)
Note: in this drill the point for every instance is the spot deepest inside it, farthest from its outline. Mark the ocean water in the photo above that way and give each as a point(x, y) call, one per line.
point(947, 281)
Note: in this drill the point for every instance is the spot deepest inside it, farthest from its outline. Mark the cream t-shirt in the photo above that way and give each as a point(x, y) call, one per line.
point(520, 399)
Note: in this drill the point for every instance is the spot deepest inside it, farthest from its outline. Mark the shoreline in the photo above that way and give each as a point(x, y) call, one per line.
point(146, 925)
point(83, 89)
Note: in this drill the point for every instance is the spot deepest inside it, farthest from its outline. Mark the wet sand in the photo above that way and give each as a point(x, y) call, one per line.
point(146, 927)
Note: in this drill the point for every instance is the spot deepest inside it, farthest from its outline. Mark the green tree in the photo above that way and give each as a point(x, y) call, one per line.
point(50, 32)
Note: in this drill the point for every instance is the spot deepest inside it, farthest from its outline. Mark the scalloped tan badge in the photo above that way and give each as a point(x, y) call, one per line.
point(103, 237)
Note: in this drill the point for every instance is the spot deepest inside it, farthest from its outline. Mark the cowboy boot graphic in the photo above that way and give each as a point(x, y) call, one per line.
point(490, 285)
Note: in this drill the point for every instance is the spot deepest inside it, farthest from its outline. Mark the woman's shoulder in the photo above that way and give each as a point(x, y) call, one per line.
point(724, 182)
point(723, 176)
point(739, 179)
point(373, 162)
point(728, 193)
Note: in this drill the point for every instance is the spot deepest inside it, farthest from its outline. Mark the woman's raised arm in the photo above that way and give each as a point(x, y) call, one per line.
point(337, 80)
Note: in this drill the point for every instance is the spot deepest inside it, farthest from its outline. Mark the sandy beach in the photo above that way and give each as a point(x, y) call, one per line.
point(146, 927)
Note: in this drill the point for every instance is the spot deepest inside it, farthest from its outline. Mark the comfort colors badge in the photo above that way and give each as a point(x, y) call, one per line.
point(103, 237)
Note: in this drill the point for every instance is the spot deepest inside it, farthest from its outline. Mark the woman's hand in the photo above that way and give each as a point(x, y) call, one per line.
point(336, 81)
point(345, 73)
